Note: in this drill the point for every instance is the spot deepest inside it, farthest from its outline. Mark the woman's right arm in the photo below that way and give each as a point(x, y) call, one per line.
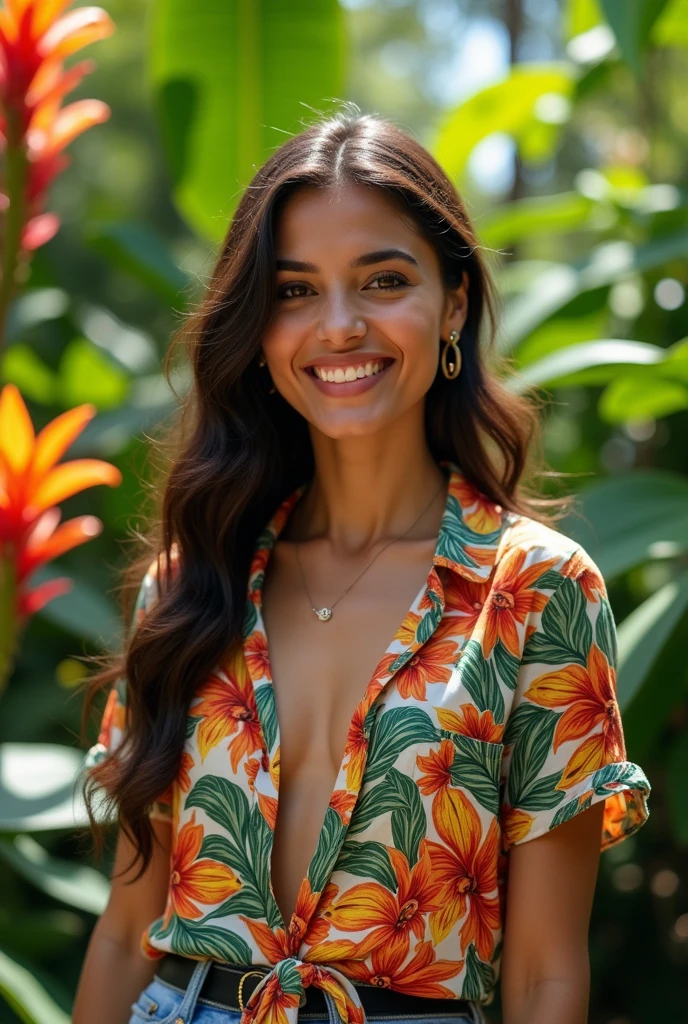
point(115, 970)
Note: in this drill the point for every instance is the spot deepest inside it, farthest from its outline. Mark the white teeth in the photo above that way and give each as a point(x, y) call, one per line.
point(341, 374)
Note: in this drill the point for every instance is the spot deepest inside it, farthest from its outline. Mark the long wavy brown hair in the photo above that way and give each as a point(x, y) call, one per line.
point(241, 449)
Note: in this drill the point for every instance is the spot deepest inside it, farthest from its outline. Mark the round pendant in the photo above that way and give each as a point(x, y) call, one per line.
point(324, 614)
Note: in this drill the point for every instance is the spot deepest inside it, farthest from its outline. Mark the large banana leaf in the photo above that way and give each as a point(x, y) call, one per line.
point(631, 23)
point(232, 80)
point(68, 881)
point(623, 521)
point(26, 996)
point(39, 787)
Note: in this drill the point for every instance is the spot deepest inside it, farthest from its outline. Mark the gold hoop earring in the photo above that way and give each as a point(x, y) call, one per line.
point(452, 370)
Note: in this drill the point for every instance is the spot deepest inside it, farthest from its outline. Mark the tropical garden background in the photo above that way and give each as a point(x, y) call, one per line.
point(565, 125)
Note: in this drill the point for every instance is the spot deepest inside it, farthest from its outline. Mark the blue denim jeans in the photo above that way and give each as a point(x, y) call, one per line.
point(162, 1003)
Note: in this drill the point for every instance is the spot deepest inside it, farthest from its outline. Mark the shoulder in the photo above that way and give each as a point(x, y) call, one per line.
point(526, 544)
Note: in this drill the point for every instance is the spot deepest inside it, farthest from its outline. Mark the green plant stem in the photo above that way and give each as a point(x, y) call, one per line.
point(9, 621)
point(15, 215)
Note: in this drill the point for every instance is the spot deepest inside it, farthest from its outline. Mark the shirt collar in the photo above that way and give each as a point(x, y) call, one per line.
point(467, 541)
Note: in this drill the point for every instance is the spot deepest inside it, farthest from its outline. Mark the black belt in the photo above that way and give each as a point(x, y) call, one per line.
point(231, 987)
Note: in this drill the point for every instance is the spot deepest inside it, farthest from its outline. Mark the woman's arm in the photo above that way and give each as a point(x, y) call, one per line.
point(115, 970)
point(545, 973)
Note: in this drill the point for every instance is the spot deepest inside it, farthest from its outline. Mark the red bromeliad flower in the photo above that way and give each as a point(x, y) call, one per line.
point(31, 485)
point(35, 38)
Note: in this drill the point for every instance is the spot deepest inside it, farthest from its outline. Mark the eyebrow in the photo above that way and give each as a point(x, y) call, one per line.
point(365, 260)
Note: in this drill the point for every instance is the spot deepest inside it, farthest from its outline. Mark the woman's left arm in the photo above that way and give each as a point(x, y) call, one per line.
point(545, 974)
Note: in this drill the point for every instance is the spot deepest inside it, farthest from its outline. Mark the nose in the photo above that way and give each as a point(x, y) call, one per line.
point(340, 320)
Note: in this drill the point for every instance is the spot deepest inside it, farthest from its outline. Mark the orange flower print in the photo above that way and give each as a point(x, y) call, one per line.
point(436, 768)
point(479, 512)
point(579, 568)
point(228, 706)
point(468, 870)
point(256, 654)
point(195, 881)
point(590, 696)
point(406, 633)
point(267, 804)
point(114, 714)
point(431, 664)
point(515, 824)
point(356, 750)
point(272, 943)
point(510, 600)
point(420, 977)
point(466, 599)
point(469, 721)
point(271, 1004)
point(343, 803)
point(389, 918)
point(186, 763)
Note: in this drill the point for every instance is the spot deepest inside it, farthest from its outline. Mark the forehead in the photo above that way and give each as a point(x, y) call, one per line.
point(345, 217)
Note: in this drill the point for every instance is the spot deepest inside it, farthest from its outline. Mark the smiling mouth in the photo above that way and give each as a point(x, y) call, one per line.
point(349, 374)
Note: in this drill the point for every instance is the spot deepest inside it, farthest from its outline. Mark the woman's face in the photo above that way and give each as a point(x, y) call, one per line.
point(358, 289)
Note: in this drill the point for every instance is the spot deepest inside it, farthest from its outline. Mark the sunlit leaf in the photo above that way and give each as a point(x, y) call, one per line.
point(629, 519)
point(509, 106)
point(643, 634)
point(83, 612)
point(230, 80)
point(593, 362)
point(86, 375)
point(21, 366)
point(26, 996)
point(636, 396)
point(67, 881)
point(525, 218)
point(671, 27)
point(39, 787)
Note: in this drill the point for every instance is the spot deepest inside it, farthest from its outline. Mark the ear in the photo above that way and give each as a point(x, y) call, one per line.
point(456, 306)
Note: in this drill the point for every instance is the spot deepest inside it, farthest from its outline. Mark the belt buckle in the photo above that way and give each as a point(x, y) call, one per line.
point(240, 990)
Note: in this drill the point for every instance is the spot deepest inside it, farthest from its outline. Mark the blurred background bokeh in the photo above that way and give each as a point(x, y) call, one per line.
point(564, 124)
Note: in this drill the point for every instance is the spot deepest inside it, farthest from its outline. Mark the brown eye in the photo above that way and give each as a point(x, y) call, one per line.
point(282, 292)
point(387, 275)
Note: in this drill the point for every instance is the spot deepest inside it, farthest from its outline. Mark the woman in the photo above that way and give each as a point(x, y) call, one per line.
point(357, 607)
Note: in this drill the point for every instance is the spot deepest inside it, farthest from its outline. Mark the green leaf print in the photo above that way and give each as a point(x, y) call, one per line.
point(426, 626)
point(507, 665)
point(246, 901)
point(260, 844)
point(250, 619)
point(534, 727)
point(371, 805)
point(224, 802)
point(541, 794)
point(191, 723)
point(550, 580)
point(393, 731)
point(476, 767)
point(219, 848)
point(605, 632)
point(565, 633)
point(409, 825)
point(480, 680)
point(568, 811)
point(455, 535)
point(367, 860)
point(191, 939)
point(327, 850)
point(267, 712)
point(289, 977)
point(480, 977)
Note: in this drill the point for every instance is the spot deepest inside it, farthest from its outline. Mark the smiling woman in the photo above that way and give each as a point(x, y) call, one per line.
point(359, 799)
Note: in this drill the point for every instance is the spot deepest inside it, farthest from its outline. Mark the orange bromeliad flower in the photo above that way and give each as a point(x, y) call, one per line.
point(420, 977)
point(590, 696)
point(195, 881)
point(437, 768)
point(511, 599)
point(390, 918)
point(466, 599)
point(228, 706)
point(32, 483)
point(35, 38)
point(579, 568)
point(468, 871)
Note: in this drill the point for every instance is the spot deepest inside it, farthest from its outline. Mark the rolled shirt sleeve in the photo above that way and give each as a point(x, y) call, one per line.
point(564, 742)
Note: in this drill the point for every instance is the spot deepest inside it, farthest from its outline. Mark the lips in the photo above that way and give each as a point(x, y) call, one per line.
point(354, 386)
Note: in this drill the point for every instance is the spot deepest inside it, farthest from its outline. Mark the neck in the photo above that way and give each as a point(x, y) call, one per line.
point(368, 490)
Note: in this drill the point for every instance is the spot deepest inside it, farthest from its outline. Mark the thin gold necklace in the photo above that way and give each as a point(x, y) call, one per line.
point(326, 613)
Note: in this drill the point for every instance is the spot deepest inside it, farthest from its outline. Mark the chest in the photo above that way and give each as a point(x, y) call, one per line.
point(321, 670)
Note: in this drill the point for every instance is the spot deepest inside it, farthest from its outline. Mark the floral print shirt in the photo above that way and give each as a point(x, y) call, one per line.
point(491, 718)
